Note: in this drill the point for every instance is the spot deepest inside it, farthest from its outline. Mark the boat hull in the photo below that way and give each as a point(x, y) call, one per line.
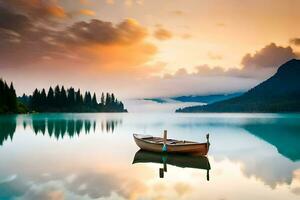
point(196, 148)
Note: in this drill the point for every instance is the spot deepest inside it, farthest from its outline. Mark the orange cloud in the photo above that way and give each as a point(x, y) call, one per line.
point(120, 58)
point(95, 45)
point(295, 41)
point(186, 36)
point(270, 56)
point(162, 34)
point(87, 12)
point(56, 11)
point(38, 9)
point(178, 12)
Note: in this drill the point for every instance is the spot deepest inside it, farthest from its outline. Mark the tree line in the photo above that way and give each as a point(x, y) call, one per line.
point(60, 99)
point(8, 99)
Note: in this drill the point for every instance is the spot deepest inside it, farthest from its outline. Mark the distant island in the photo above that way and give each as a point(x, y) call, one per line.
point(58, 99)
point(280, 93)
point(211, 98)
point(206, 98)
point(157, 100)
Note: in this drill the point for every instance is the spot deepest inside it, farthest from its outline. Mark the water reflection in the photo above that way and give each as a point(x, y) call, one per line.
point(110, 125)
point(284, 134)
point(179, 160)
point(255, 154)
point(8, 126)
point(57, 127)
point(61, 128)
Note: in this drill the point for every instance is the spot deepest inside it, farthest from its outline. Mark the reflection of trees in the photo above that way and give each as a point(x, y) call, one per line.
point(57, 128)
point(7, 128)
point(109, 125)
point(60, 127)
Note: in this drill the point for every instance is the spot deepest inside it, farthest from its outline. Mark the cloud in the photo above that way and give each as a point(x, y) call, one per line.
point(214, 56)
point(178, 12)
point(131, 2)
point(220, 24)
point(182, 188)
point(271, 56)
point(162, 34)
point(110, 1)
point(100, 32)
point(186, 36)
point(94, 44)
point(13, 22)
point(295, 41)
point(87, 12)
point(38, 9)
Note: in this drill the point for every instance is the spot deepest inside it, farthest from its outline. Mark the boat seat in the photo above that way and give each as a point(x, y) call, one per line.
point(146, 137)
point(177, 141)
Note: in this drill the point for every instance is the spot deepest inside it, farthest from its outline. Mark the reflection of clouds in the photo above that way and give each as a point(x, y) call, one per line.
point(95, 185)
point(296, 183)
point(81, 184)
point(43, 193)
point(296, 190)
point(280, 172)
point(182, 188)
point(12, 188)
point(256, 158)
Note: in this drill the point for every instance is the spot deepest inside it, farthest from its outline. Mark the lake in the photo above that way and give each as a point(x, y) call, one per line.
point(91, 156)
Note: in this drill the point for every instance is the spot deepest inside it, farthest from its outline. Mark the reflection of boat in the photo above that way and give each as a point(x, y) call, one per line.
point(157, 144)
point(179, 160)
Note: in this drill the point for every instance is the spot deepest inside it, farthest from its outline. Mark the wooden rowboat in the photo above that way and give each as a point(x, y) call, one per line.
point(158, 144)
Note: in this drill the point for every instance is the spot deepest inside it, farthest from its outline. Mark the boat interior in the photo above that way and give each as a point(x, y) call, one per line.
point(159, 140)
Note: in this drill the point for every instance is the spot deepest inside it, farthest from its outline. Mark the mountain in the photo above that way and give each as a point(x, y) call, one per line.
point(206, 98)
point(280, 93)
point(157, 100)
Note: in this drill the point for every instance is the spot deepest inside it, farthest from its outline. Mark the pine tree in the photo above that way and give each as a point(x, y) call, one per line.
point(57, 96)
point(43, 100)
point(1, 96)
point(50, 98)
point(94, 100)
point(71, 97)
point(63, 98)
point(87, 99)
point(108, 99)
point(6, 98)
point(102, 99)
point(78, 99)
point(34, 102)
point(113, 98)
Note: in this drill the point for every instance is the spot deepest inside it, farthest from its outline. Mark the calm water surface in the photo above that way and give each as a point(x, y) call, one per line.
point(91, 156)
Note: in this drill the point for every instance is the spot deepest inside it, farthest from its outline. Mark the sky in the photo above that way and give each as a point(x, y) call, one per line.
point(146, 48)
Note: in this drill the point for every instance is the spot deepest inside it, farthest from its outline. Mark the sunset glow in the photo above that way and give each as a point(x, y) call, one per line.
point(143, 45)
